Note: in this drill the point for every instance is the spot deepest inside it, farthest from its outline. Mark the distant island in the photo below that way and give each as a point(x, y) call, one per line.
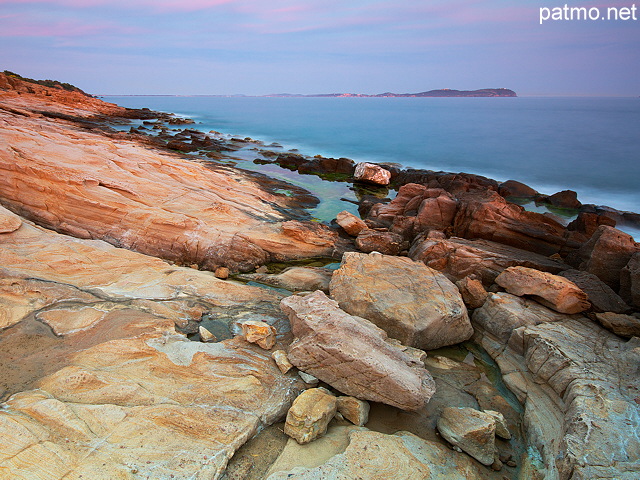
point(444, 92)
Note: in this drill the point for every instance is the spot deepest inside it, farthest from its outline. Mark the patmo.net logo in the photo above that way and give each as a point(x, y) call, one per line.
point(568, 13)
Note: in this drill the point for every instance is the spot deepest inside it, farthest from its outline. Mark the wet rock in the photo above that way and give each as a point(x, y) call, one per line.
point(489, 216)
point(387, 243)
point(626, 326)
point(9, 221)
point(564, 199)
point(281, 359)
point(553, 291)
point(310, 415)
point(587, 223)
point(260, 333)
point(600, 295)
point(295, 279)
point(352, 355)
point(350, 223)
point(371, 173)
point(630, 281)
point(471, 430)
point(472, 291)
point(410, 301)
point(513, 188)
point(374, 455)
point(606, 254)
point(459, 258)
point(181, 146)
point(354, 410)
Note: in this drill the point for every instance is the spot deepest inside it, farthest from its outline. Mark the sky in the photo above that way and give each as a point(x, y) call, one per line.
point(259, 47)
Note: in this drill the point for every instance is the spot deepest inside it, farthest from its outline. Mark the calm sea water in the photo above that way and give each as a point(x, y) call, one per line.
point(590, 145)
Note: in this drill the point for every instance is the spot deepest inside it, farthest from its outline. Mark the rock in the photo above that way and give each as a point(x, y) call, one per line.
point(310, 415)
point(205, 335)
point(489, 216)
point(89, 185)
point(587, 223)
point(280, 357)
point(308, 379)
point(295, 279)
point(626, 326)
point(258, 332)
point(374, 455)
point(513, 188)
point(600, 295)
point(353, 355)
point(564, 199)
point(371, 173)
point(630, 281)
point(65, 321)
point(410, 301)
point(350, 223)
point(354, 410)
point(503, 313)
point(606, 254)
point(502, 430)
point(222, 273)
point(387, 243)
point(472, 291)
point(459, 258)
point(552, 291)
point(471, 430)
point(9, 221)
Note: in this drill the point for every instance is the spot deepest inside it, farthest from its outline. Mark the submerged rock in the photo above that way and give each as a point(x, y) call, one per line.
point(353, 355)
point(410, 301)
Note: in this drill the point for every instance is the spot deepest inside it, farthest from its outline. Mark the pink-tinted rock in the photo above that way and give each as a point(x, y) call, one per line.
point(513, 188)
point(353, 355)
point(553, 291)
point(472, 291)
point(9, 221)
point(372, 173)
point(350, 223)
point(388, 243)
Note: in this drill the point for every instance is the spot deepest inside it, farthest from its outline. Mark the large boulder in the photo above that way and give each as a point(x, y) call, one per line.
point(553, 291)
point(600, 295)
point(388, 243)
point(371, 173)
point(458, 258)
point(470, 430)
point(630, 281)
point(410, 301)
point(350, 223)
point(606, 253)
point(353, 355)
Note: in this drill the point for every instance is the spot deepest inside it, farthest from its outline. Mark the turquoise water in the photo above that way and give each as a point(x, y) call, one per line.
point(590, 145)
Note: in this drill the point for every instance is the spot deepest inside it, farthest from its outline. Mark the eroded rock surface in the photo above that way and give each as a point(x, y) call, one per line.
point(410, 301)
point(353, 355)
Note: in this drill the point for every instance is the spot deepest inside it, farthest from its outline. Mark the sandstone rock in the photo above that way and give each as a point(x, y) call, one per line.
point(371, 173)
point(387, 243)
point(374, 455)
point(353, 355)
point(503, 313)
point(459, 258)
point(502, 430)
point(606, 254)
point(350, 223)
point(222, 273)
point(626, 326)
point(600, 295)
point(513, 188)
point(258, 332)
point(472, 291)
point(310, 415)
point(471, 430)
point(630, 281)
point(564, 199)
point(295, 279)
point(88, 185)
point(410, 301)
point(205, 335)
point(489, 216)
point(587, 223)
point(551, 290)
point(65, 321)
point(308, 379)
point(280, 357)
point(9, 221)
point(354, 410)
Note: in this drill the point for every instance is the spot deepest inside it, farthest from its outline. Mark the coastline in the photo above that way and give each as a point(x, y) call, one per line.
point(118, 247)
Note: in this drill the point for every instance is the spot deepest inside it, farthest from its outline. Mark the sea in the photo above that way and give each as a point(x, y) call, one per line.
point(589, 145)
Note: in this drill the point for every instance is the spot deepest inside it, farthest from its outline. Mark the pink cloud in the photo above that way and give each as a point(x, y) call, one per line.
point(161, 6)
point(18, 27)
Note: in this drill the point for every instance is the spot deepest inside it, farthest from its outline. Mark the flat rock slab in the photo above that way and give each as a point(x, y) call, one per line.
point(410, 301)
point(353, 355)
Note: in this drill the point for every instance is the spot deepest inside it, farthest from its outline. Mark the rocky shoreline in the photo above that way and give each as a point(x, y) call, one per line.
point(152, 323)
